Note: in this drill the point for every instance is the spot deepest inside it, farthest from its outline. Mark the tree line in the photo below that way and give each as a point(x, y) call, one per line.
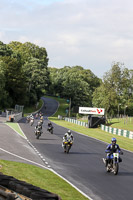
point(24, 74)
point(25, 77)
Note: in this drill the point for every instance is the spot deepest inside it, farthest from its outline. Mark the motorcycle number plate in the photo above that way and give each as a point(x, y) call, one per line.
point(116, 155)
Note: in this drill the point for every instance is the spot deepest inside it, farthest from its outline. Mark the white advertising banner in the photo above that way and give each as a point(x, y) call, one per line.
point(91, 111)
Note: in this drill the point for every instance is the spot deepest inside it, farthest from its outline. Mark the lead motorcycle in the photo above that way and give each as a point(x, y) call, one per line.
point(113, 164)
point(67, 145)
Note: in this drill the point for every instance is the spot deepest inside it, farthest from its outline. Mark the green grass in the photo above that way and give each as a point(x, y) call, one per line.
point(42, 178)
point(16, 127)
point(121, 123)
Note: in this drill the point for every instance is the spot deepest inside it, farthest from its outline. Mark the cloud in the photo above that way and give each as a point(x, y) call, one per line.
point(89, 33)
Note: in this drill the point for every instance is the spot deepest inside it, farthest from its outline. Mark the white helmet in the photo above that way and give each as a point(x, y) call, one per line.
point(39, 123)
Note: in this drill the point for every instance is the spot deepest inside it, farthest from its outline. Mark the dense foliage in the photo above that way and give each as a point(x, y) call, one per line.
point(24, 74)
point(116, 91)
point(75, 83)
point(25, 77)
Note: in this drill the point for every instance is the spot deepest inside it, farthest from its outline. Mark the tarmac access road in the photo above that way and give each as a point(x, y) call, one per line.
point(83, 166)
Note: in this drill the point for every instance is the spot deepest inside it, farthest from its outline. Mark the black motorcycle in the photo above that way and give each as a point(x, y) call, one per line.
point(38, 133)
point(50, 129)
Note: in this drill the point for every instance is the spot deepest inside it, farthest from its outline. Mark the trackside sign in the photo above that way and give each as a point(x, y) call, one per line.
point(91, 111)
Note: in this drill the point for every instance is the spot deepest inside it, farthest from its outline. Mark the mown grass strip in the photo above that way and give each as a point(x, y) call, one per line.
point(15, 127)
point(121, 123)
point(42, 178)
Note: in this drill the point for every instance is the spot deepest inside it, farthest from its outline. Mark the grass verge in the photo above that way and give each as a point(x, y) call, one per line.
point(121, 123)
point(16, 127)
point(42, 178)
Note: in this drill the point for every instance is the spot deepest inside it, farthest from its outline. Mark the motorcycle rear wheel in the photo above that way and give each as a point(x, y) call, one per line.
point(38, 135)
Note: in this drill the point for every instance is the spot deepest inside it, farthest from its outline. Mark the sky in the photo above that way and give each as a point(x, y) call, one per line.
point(89, 33)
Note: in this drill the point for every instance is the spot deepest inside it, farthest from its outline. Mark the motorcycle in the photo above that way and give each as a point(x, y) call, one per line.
point(113, 165)
point(41, 121)
point(50, 129)
point(67, 145)
point(27, 119)
point(31, 122)
point(38, 133)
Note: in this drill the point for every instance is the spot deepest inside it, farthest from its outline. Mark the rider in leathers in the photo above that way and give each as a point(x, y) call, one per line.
point(38, 127)
point(50, 125)
point(66, 137)
point(112, 148)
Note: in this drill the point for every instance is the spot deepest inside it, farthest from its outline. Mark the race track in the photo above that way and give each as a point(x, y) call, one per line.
point(83, 166)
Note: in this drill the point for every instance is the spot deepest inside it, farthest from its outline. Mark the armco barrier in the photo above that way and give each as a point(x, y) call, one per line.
point(17, 116)
point(76, 122)
point(14, 117)
point(116, 131)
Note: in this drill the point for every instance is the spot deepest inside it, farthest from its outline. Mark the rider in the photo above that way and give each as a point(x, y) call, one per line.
point(67, 135)
point(31, 116)
point(38, 127)
point(40, 114)
point(50, 125)
point(41, 119)
point(112, 148)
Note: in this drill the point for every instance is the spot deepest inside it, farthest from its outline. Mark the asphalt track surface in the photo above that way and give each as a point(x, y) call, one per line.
point(83, 166)
point(13, 147)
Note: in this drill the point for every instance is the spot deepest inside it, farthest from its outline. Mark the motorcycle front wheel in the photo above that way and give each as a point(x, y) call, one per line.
point(116, 168)
point(38, 135)
point(68, 148)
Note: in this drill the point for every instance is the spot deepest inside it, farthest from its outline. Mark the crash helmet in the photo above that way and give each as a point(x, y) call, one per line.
point(39, 123)
point(69, 132)
point(113, 140)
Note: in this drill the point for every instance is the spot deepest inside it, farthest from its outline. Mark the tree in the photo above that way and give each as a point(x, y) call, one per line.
point(3, 93)
point(15, 80)
point(34, 64)
point(37, 76)
point(75, 83)
point(115, 89)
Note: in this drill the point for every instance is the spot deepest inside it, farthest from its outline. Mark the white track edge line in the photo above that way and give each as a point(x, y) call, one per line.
point(23, 158)
point(71, 184)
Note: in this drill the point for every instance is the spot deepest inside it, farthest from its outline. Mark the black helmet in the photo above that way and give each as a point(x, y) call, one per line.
point(69, 132)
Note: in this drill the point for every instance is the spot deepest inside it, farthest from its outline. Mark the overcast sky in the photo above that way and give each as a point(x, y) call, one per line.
point(89, 33)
